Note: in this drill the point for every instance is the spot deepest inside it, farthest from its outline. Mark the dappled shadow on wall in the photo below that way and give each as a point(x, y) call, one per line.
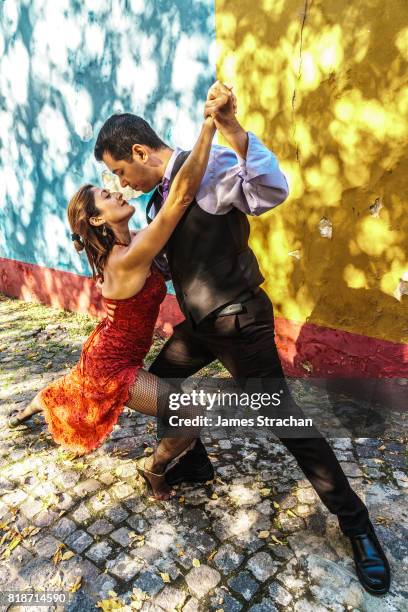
point(324, 85)
point(64, 68)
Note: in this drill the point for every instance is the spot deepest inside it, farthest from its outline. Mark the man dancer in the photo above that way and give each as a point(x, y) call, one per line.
point(216, 278)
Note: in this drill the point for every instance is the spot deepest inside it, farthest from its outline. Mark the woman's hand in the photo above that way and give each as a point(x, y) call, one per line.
point(99, 283)
point(209, 124)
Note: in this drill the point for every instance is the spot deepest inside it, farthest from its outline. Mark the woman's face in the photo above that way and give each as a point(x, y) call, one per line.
point(113, 208)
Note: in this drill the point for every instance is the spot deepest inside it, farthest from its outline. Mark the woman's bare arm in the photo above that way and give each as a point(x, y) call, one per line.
point(150, 241)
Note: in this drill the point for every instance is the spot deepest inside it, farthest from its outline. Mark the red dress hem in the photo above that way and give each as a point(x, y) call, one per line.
point(60, 435)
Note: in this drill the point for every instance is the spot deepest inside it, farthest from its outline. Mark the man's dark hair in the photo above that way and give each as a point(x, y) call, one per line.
point(120, 132)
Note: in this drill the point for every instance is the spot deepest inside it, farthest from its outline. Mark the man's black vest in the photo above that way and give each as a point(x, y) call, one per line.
point(208, 256)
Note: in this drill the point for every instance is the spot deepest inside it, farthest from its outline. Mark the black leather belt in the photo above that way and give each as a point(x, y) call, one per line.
point(236, 307)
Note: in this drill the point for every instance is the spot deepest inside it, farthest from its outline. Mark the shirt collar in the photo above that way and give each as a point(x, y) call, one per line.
point(169, 167)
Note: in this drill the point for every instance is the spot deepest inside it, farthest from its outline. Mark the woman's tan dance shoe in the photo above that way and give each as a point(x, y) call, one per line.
point(142, 470)
point(14, 420)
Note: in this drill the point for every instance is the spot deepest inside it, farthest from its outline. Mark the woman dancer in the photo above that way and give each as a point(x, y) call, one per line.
point(82, 407)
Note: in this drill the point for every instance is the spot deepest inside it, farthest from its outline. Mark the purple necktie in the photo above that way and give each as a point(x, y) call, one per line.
point(163, 190)
point(161, 259)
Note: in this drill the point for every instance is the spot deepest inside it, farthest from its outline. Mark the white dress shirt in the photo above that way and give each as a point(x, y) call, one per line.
point(253, 185)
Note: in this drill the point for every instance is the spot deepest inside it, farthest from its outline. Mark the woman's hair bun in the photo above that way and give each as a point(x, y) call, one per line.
point(78, 243)
point(79, 246)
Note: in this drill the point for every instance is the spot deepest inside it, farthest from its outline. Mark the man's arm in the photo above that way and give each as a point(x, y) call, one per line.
point(236, 137)
point(249, 179)
point(254, 185)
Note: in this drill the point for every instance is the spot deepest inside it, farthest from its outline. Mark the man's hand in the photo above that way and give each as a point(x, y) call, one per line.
point(221, 104)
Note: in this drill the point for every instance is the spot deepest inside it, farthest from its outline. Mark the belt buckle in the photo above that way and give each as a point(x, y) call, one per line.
point(235, 308)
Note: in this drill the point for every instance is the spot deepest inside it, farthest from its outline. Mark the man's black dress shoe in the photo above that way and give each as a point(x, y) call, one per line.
point(372, 566)
point(194, 466)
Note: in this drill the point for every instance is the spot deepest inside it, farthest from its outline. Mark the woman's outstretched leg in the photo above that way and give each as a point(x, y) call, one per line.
point(19, 416)
point(150, 395)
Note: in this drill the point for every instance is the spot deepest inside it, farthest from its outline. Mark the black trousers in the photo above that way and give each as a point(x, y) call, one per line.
point(245, 344)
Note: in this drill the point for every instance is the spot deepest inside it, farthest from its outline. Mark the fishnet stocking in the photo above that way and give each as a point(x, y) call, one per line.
point(150, 395)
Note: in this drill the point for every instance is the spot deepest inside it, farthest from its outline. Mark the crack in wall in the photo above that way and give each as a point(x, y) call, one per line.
point(305, 13)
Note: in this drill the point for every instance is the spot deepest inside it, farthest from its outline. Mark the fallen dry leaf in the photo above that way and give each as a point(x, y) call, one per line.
point(165, 577)
point(4, 525)
point(30, 531)
point(67, 555)
point(57, 556)
point(107, 605)
point(382, 520)
point(75, 586)
point(277, 541)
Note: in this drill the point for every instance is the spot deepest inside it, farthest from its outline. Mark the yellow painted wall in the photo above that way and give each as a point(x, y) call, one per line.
point(324, 84)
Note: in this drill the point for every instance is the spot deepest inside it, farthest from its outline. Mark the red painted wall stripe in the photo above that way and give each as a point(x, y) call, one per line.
point(305, 349)
point(325, 352)
point(33, 283)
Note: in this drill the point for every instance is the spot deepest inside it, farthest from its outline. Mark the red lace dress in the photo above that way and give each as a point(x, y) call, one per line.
point(82, 407)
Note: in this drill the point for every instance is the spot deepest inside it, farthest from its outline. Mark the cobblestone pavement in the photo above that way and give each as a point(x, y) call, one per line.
point(254, 539)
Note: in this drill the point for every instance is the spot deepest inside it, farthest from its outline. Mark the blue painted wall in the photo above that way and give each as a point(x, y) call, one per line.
point(65, 66)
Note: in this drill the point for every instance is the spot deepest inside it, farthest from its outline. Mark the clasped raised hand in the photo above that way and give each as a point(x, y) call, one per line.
point(221, 104)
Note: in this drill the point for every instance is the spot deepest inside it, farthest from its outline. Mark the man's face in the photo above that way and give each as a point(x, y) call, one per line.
point(141, 172)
